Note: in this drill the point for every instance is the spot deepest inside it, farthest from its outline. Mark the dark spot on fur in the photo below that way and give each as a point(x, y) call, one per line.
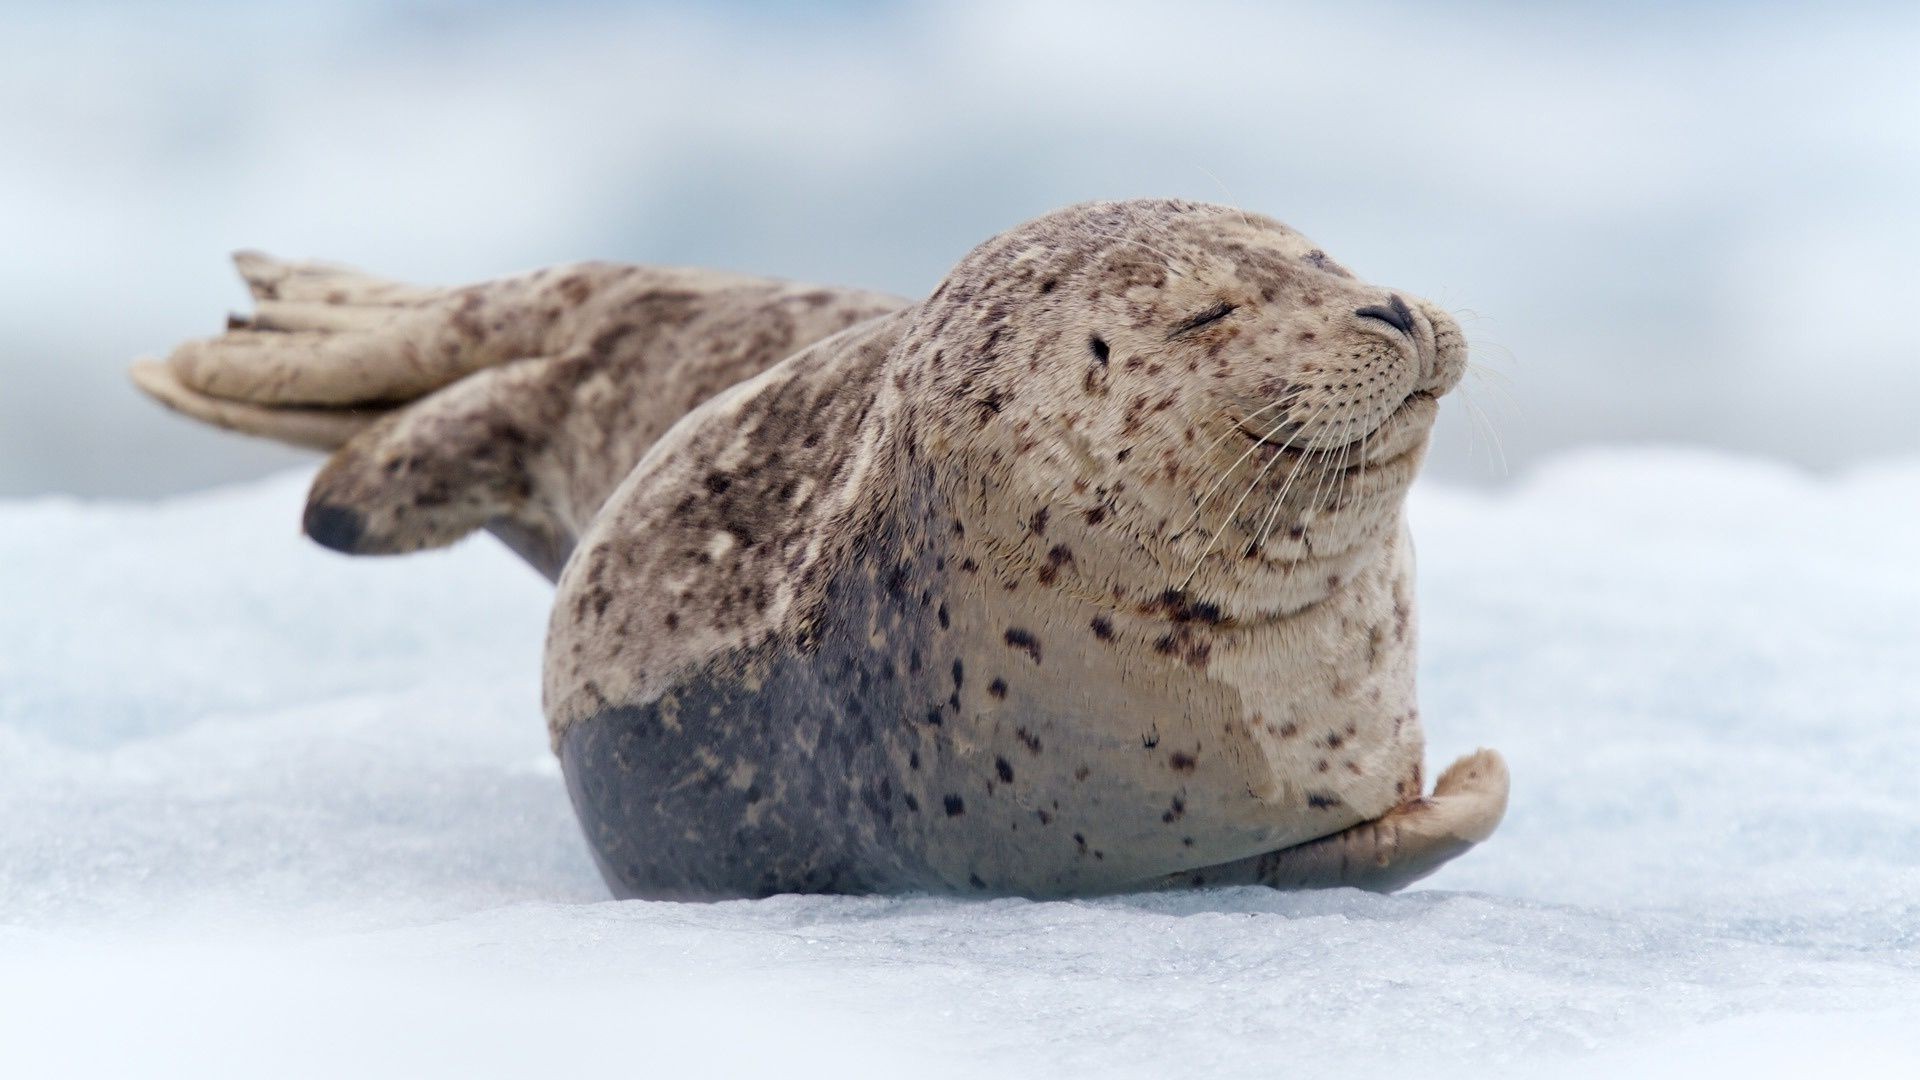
point(1181, 762)
point(955, 806)
point(574, 288)
point(1102, 628)
point(998, 688)
point(1101, 352)
point(1059, 556)
point(1176, 605)
point(1004, 768)
point(1024, 640)
point(1028, 739)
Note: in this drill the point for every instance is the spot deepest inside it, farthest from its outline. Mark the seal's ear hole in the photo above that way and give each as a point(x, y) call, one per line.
point(1099, 347)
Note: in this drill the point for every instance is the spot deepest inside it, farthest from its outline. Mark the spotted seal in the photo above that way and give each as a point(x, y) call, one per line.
point(1088, 572)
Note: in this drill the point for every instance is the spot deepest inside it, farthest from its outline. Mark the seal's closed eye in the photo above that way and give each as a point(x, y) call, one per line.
point(1212, 315)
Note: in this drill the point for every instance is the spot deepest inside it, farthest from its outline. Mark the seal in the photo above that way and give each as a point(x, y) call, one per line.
point(1087, 573)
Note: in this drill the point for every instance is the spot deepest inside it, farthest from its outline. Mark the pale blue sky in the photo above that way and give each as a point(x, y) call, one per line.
point(1678, 224)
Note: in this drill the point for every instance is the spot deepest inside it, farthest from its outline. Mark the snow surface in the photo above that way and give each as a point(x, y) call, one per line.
point(269, 811)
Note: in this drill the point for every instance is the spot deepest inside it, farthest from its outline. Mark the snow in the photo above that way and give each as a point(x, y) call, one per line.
point(266, 810)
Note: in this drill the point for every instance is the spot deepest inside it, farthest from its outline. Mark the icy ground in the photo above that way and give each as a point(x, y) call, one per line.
point(269, 811)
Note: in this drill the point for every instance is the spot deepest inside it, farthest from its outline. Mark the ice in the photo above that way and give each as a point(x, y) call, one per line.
point(267, 810)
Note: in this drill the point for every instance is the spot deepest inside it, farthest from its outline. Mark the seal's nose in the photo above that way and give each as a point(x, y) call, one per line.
point(1394, 313)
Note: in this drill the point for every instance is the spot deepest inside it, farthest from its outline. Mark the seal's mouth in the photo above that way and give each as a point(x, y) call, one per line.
point(1382, 442)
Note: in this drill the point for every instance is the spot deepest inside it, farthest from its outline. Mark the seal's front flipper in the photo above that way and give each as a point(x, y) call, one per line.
point(1391, 852)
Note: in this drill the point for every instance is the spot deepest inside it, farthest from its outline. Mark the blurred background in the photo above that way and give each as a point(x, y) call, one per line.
point(1658, 222)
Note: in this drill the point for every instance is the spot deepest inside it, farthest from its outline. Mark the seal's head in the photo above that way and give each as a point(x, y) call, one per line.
point(1205, 380)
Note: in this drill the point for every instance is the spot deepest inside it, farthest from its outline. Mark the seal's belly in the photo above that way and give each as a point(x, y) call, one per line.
point(904, 761)
point(949, 730)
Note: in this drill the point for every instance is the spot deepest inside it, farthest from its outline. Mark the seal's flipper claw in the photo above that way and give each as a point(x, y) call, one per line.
point(315, 428)
point(1390, 852)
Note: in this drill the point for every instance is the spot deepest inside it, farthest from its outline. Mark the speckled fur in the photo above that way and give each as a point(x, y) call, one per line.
point(1000, 592)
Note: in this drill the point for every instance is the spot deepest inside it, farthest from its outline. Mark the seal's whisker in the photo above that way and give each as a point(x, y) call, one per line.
point(1279, 501)
point(1312, 500)
point(1329, 478)
point(1478, 347)
point(1493, 435)
point(1227, 521)
point(1231, 469)
point(1244, 220)
point(1359, 462)
point(1173, 266)
point(1340, 469)
point(1231, 426)
point(1494, 382)
point(1252, 487)
point(1215, 538)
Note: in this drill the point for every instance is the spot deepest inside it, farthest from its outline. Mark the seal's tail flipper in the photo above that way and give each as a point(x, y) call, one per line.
point(467, 457)
point(391, 378)
point(316, 428)
point(1391, 852)
point(404, 479)
point(324, 336)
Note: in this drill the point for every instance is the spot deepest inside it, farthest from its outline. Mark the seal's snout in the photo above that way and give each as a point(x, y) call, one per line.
point(336, 527)
point(1394, 313)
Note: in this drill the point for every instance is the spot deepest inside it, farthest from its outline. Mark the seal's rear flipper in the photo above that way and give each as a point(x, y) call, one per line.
point(316, 428)
point(470, 456)
point(1391, 852)
point(326, 336)
point(378, 372)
